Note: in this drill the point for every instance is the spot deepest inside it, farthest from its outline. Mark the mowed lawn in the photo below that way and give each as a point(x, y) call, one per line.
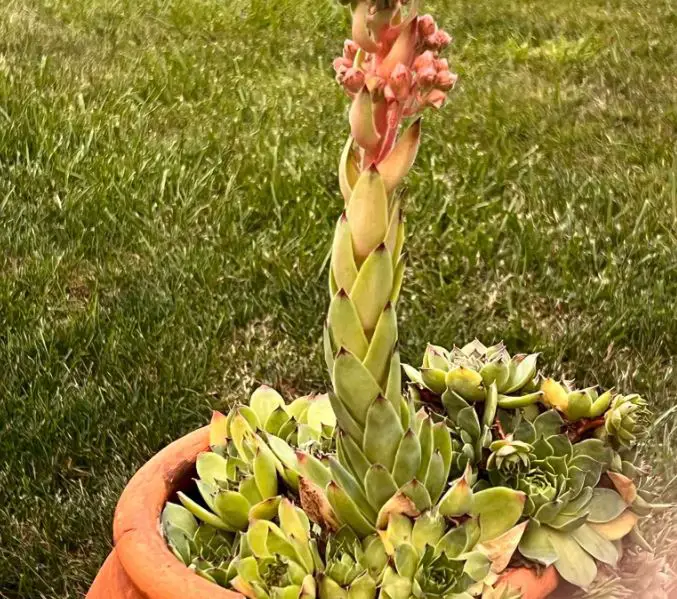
point(168, 193)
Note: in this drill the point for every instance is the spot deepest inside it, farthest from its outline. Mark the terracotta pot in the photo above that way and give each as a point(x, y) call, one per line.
point(532, 584)
point(142, 567)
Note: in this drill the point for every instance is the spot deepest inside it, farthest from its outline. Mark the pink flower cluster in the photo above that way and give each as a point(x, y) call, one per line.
point(405, 69)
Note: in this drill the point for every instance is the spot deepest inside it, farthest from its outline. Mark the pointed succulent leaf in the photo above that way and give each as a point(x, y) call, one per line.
point(442, 443)
point(379, 485)
point(343, 267)
point(616, 529)
point(265, 474)
point(211, 467)
point(600, 405)
point(458, 500)
point(355, 386)
point(180, 518)
point(395, 166)
point(349, 170)
point(417, 492)
point(555, 395)
point(398, 504)
point(203, 514)
point(264, 401)
point(579, 406)
point(524, 371)
point(352, 456)
point(264, 510)
point(573, 564)
point(218, 429)
point(596, 545)
point(510, 402)
point(382, 434)
point(436, 476)
point(377, 357)
point(499, 509)
point(347, 511)
point(407, 458)
point(362, 126)
point(394, 383)
point(345, 325)
point(371, 291)
point(490, 406)
point(434, 379)
point(466, 382)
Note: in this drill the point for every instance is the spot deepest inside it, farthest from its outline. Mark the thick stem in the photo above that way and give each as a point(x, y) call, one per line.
point(576, 433)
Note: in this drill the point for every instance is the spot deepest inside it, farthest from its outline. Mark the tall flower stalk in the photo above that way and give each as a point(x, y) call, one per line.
point(387, 453)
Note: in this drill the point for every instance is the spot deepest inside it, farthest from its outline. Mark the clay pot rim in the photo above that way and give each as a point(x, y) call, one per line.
point(156, 572)
point(137, 535)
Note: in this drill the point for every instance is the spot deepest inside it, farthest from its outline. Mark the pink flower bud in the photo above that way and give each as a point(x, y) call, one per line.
point(400, 82)
point(353, 80)
point(445, 80)
point(426, 76)
point(427, 59)
point(442, 64)
point(441, 39)
point(426, 26)
point(341, 64)
point(436, 98)
point(350, 49)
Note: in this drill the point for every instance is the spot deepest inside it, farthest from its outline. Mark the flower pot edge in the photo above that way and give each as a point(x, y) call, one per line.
point(141, 566)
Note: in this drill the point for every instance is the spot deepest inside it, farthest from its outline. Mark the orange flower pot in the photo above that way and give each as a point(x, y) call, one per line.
point(534, 585)
point(142, 567)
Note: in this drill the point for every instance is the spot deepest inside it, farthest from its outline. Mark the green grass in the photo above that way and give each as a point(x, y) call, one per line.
point(168, 192)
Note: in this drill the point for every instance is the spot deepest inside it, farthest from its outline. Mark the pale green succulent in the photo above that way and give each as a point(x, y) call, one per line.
point(384, 447)
point(626, 421)
point(571, 522)
point(307, 422)
point(470, 371)
point(234, 491)
point(427, 561)
point(510, 456)
point(278, 560)
point(351, 572)
point(575, 404)
point(206, 550)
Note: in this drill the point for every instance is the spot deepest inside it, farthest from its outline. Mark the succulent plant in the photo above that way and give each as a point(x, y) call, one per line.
point(575, 404)
point(626, 420)
point(572, 521)
point(510, 457)
point(427, 560)
point(278, 561)
point(470, 371)
point(307, 422)
point(366, 494)
point(352, 570)
point(204, 549)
